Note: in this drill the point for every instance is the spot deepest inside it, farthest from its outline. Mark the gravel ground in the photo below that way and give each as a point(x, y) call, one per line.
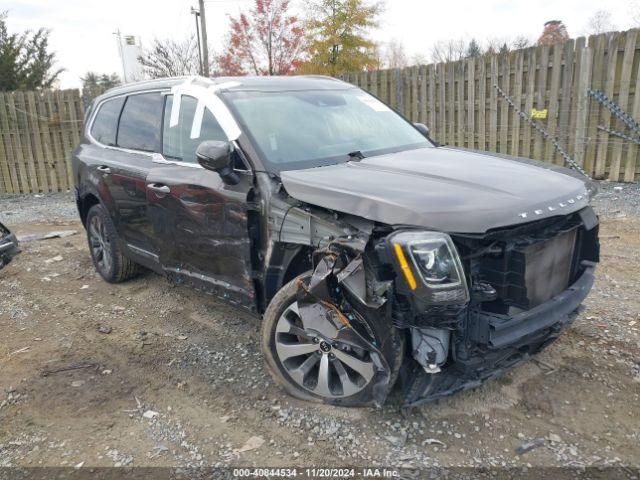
point(618, 199)
point(165, 376)
point(16, 209)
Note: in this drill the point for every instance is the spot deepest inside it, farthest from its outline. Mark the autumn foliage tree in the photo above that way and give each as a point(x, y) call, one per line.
point(554, 32)
point(337, 39)
point(267, 41)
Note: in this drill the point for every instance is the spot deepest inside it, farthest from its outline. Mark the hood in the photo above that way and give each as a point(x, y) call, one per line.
point(441, 189)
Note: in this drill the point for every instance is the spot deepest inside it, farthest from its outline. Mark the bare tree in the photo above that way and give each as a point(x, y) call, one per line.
point(520, 42)
point(600, 22)
point(448, 50)
point(170, 58)
point(505, 44)
point(419, 59)
point(394, 55)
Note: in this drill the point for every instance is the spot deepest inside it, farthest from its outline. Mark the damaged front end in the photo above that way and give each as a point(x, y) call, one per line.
point(494, 299)
point(8, 246)
point(466, 306)
point(469, 307)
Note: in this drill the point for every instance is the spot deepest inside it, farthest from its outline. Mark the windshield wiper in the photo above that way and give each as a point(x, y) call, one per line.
point(356, 155)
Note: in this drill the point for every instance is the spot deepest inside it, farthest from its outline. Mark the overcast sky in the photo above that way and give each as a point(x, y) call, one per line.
point(82, 30)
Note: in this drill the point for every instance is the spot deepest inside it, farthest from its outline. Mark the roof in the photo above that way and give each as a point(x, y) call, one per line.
point(266, 84)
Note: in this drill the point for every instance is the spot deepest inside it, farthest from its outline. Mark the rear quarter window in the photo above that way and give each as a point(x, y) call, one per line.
point(139, 127)
point(106, 122)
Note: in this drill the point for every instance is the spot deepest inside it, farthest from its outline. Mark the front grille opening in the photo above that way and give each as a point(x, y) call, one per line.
point(528, 274)
point(529, 264)
point(548, 268)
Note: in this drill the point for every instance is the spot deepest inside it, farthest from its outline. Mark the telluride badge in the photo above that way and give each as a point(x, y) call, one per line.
point(553, 208)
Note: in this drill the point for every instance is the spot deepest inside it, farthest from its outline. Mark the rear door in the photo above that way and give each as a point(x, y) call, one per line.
point(200, 223)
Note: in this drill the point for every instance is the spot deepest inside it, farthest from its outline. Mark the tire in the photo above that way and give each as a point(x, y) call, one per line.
point(390, 341)
point(108, 259)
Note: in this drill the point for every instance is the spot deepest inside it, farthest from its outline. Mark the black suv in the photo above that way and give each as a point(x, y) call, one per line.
point(374, 257)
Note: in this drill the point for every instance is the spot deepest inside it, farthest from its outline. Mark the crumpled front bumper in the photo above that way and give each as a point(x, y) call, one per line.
point(8, 247)
point(503, 341)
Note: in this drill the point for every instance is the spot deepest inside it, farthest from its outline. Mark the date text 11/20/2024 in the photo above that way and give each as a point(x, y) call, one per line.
point(315, 473)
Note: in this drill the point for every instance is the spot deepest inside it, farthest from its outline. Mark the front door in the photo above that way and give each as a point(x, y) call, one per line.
point(138, 140)
point(200, 223)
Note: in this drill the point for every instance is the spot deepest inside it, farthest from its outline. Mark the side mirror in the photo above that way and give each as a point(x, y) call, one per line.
point(215, 155)
point(422, 128)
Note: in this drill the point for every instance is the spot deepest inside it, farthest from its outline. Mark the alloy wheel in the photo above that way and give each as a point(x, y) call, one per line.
point(317, 363)
point(100, 244)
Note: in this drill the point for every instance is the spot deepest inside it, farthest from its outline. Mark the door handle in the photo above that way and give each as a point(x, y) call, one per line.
point(103, 169)
point(159, 188)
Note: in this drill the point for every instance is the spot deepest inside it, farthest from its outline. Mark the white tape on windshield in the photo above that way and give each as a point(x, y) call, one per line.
point(373, 103)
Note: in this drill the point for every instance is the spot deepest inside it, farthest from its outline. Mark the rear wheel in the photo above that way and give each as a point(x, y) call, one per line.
point(107, 257)
point(311, 366)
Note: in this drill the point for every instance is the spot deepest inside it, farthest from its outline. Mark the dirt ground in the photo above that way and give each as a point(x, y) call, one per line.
point(160, 375)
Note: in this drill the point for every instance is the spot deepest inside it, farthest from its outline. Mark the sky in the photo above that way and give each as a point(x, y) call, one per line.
point(82, 30)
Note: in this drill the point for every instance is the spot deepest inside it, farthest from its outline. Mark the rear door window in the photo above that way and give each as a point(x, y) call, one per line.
point(139, 127)
point(106, 122)
point(178, 143)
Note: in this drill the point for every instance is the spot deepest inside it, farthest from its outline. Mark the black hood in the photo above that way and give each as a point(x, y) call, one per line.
point(441, 189)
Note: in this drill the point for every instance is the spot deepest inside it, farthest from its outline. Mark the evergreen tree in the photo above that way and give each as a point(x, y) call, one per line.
point(94, 85)
point(473, 50)
point(25, 60)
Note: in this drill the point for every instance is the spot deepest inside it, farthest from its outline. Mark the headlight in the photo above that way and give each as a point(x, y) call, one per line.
point(430, 265)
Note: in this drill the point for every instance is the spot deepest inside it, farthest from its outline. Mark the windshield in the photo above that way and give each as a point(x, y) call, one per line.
point(302, 129)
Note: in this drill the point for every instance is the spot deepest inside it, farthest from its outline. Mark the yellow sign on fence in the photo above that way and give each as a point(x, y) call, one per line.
point(538, 114)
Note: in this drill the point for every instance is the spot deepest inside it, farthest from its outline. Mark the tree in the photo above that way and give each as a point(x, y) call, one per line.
point(170, 58)
point(448, 50)
point(501, 45)
point(25, 60)
point(520, 42)
point(394, 55)
point(600, 22)
point(267, 41)
point(94, 85)
point(473, 49)
point(554, 32)
point(419, 59)
point(337, 36)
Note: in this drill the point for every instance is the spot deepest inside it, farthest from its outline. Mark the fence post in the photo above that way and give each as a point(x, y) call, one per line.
point(632, 153)
point(550, 154)
point(493, 106)
point(609, 82)
point(584, 82)
point(623, 98)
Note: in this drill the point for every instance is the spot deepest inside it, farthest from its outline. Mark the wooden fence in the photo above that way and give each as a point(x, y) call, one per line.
point(457, 100)
point(461, 107)
point(38, 132)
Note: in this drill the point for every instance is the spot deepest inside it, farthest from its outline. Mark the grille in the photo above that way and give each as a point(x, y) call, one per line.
point(548, 267)
point(528, 264)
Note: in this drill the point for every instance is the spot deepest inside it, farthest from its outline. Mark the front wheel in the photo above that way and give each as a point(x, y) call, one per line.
point(311, 367)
